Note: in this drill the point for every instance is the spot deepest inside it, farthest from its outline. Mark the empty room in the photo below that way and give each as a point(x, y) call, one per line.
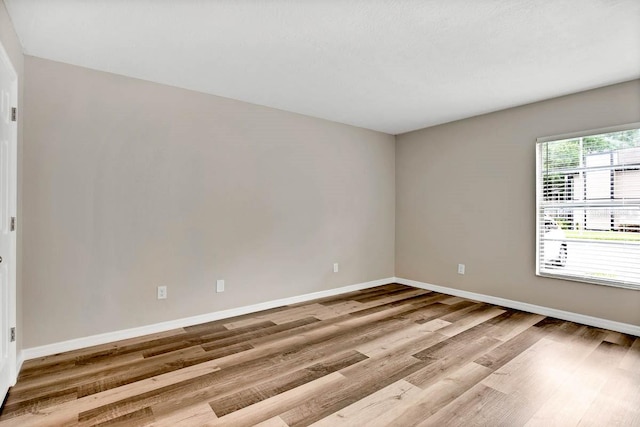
point(328, 213)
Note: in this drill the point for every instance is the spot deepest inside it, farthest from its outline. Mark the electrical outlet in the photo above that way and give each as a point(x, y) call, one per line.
point(336, 267)
point(460, 268)
point(162, 292)
point(219, 285)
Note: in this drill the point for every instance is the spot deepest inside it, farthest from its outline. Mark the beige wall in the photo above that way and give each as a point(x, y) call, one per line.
point(465, 193)
point(130, 185)
point(12, 47)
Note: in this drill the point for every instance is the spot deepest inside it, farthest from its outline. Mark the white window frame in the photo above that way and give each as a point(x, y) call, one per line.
point(559, 274)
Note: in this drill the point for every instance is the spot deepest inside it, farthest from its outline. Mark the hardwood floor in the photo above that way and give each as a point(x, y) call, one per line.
point(386, 356)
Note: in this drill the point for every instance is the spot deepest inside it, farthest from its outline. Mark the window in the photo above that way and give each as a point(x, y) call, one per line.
point(588, 206)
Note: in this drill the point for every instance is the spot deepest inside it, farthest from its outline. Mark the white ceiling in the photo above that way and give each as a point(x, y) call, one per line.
point(392, 66)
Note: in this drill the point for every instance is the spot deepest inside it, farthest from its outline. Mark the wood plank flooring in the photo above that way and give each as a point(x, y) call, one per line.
point(386, 356)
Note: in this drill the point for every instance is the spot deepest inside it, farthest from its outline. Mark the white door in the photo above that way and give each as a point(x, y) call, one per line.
point(8, 186)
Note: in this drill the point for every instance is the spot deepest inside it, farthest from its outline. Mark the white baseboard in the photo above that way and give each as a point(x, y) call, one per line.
point(78, 343)
point(75, 344)
point(19, 362)
point(531, 308)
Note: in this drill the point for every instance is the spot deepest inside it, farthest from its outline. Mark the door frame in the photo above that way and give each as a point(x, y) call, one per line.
point(13, 191)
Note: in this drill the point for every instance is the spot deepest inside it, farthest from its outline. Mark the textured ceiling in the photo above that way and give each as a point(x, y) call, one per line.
point(392, 66)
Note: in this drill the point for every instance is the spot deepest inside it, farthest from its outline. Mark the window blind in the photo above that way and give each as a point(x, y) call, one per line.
point(588, 207)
